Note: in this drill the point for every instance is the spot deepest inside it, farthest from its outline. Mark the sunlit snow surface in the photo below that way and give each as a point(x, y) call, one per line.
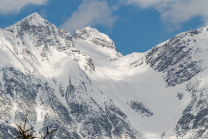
point(122, 82)
point(84, 87)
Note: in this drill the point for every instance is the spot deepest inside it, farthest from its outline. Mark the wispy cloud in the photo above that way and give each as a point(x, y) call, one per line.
point(90, 12)
point(43, 13)
point(14, 6)
point(174, 12)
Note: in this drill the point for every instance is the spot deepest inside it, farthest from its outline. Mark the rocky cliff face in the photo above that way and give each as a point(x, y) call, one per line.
point(181, 57)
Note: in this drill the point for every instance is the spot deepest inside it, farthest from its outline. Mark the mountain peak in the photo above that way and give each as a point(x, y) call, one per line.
point(94, 36)
point(32, 20)
point(34, 15)
point(94, 30)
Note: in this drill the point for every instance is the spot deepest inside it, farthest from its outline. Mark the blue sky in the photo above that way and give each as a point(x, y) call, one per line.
point(134, 25)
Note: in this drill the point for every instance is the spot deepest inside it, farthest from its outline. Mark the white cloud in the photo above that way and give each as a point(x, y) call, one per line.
point(14, 6)
point(90, 12)
point(145, 3)
point(174, 12)
point(43, 13)
point(183, 11)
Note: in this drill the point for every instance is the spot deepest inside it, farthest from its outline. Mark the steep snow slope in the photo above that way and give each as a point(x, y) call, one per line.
point(151, 87)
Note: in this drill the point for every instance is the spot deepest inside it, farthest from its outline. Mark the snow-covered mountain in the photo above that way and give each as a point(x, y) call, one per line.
point(86, 89)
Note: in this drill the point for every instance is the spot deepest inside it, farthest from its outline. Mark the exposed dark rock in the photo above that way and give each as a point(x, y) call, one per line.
point(140, 108)
point(180, 96)
point(61, 91)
